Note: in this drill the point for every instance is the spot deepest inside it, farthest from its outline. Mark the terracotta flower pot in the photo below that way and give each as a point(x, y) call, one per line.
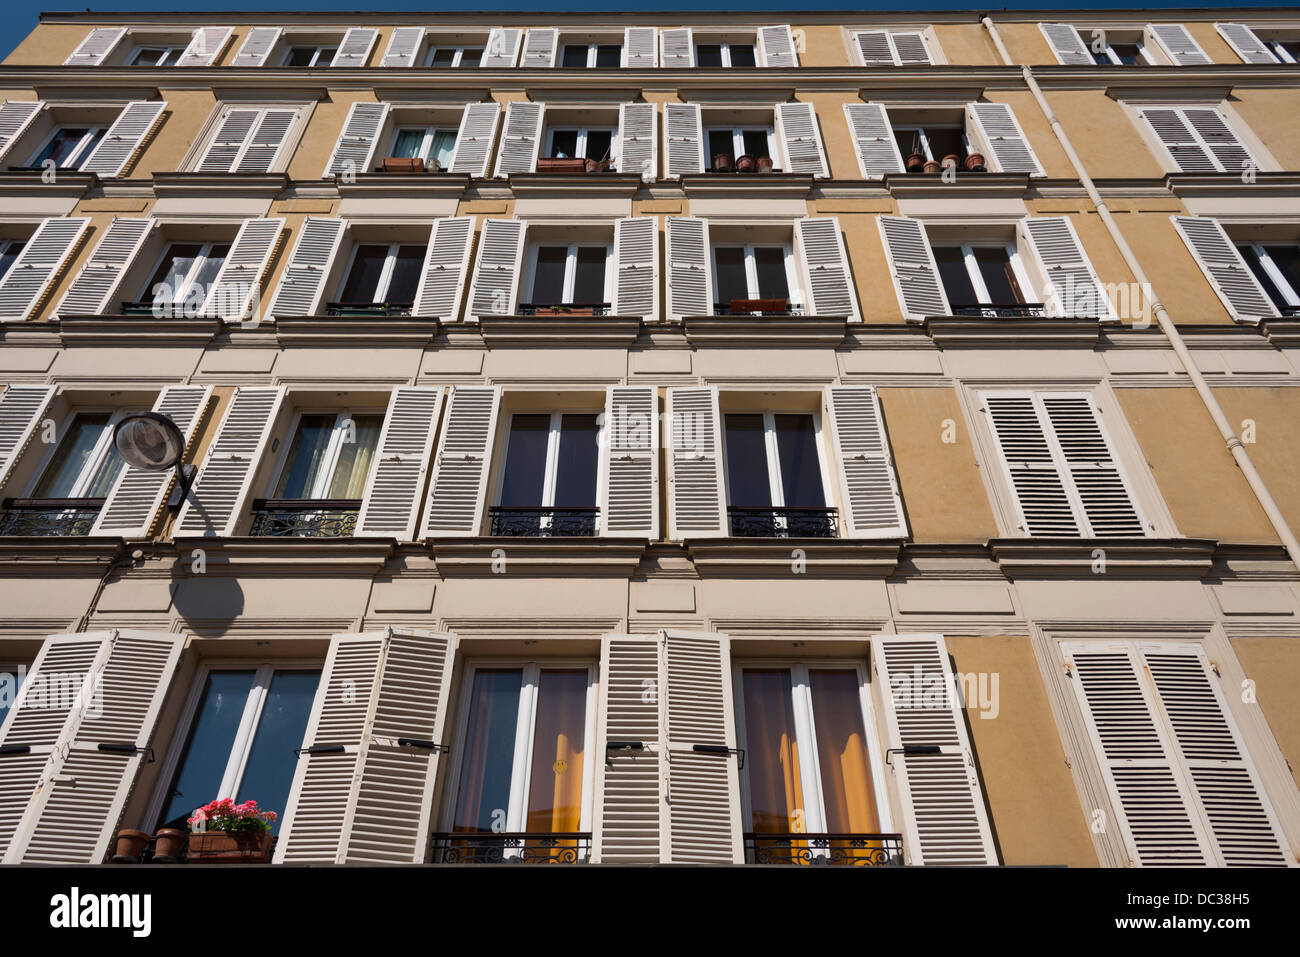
point(915, 162)
point(592, 166)
point(765, 164)
point(169, 844)
point(975, 163)
point(222, 847)
point(746, 164)
point(951, 160)
point(130, 844)
point(722, 161)
point(932, 166)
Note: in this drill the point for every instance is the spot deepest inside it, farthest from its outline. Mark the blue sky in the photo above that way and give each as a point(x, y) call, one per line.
point(17, 17)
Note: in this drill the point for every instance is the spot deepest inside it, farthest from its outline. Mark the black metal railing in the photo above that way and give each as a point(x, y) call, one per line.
point(1290, 312)
point(1000, 310)
point(725, 309)
point(520, 847)
point(846, 850)
point(564, 308)
point(305, 517)
point(543, 522)
point(369, 308)
point(49, 517)
point(772, 522)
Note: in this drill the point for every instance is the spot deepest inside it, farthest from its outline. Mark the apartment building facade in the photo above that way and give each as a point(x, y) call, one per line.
point(654, 439)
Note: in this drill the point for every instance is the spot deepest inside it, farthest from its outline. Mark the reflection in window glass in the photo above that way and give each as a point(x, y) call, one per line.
point(732, 281)
point(747, 476)
point(207, 750)
point(769, 262)
point(575, 479)
point(589, 275)
point(9, 251)
point(801, 476)
point(775, 785)
point(268, 774)
point(995, 269)
point(83, 465)
point(559, 735)
point(956, 280)
point(11, 683)
point(524, 477)
point(488, 757)
point(848, 796)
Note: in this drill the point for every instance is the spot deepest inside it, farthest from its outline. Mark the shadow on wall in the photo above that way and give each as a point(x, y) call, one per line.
point(209, 602)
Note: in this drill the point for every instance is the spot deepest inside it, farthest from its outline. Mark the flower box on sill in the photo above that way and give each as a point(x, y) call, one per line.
point(403, 164)
point(557, 164)
point(743, 306)
point(223, 847)
point(564, 309)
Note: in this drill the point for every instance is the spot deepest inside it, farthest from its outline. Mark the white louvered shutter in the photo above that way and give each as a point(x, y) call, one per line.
point(696, 498)
point(95, 288)
point(247, 141)
point(703, 781)
point(266, 141)
point(944, 819)
point(1034, 473)
point(820, 248)
point(502, 48)
point(21, 409)
point(257, 46)
point(1075, 288)
point(123, 139)
point(629, 464)
point(216, 500)
point(640, 47)
point(357, 141)
point(690, 278)
point(478, 129)
point(1190, 155)
point(520, 139)
point(495, 287)
point(873, 138)
point(912, 265)
point(683, 139)
point(1109, 506)
point(872, 503)
point(892, 48)
point(446, 263)
point(228, 141)
point(302, 284)
point(1178, 44)
point(24, 286)
point(205, 46)
point(1245, 43)
point(391, 502)
point(540, 45)
point(403, 46)
point(15, 117)
point(910, 48)
point(636, 265)
point(677, 48)
point(637, 152)
point(1211, 129)
point(460, 469)
point(238, 283)
point(801, 140)
point(874, 48)
point(1002, 135)
point(1235, 283)
point(94, 50)
point(132, 503)
point(776, 47)
point(356, 46)
point(1066, 43)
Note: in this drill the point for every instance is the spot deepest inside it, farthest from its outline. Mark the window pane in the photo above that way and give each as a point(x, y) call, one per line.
point(471, 58)
point(300, 56)
point(406, 274)
point(106, 474)
point(525, 471)
point(1256, 265)
point(575, 480)
point(168, 283)
point(775, 788)
point(353, 466)
point(555, 783)
point(444, 57)
point(61, 146)
point(363, 279)
point(845, 766)
point(548, 280)
point(574, 56)
point(306, 456)
point(609, 55)
point(755, 142)
point(909, 142)
point(708, 54)
point(564, 144)
point(8, 254)
point(408, 143)
point(598, 143)
point(956, 280)
point(325, 56)
point(720, 141)
point(207, 271)
point(995, 268)
point(770, 261)
point(946, 141)
point(444, 145)
point(268, 773)
point(742, 54)
point(801, 475)
point(1130, 54)
point(71, 456)
point(589, 275)
point(483, 798)
point(732, 282)
point(1287, 259)
point(747, 479)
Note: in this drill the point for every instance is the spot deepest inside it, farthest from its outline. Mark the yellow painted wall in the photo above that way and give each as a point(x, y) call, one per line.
point(966, 44)
point(1025, 43)
point(1215, 47)
point(47, 44)
point(866, 252)
point(822, 45)
point(1271, 115)
point(1041, 138)
point(1174, 274)
point(322, 133)
point(1274, 665)
point(1275, 451)
point(1103, 134)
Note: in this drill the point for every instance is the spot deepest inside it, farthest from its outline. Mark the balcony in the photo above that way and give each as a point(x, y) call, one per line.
point(771, 522)
point(512, 848)
point(543, 522)
point(564, 308)
point(1000, 310)
point(368, 309)
point(49, 517)
point(305, 517)
point(762, 307)
point(835, 850)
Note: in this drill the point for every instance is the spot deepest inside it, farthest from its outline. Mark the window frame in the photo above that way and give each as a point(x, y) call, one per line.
point(751, 266)
point(80, 153)
point(1277, 46)
point(1015, 260)
point(1290, 292)
point(330, 460)
point(583, 132)
point(570, 269)
point(13, 667)
point(319, 48)
point(776, 490)
point(1143, 48)
point(5, 245)
point(726, 46)
point(430, 134)
point(205, 250)
point(738, 141)
point(94, 461)
point(385, 275)
point(552, 466)
point(592, 52)
point(920, 130)
point(170, 54)
point(458, 55)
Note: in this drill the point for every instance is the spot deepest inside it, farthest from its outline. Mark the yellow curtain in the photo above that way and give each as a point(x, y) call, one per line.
point(775, 788)
point(349, 480)
point(847, 792)
point(555, 783)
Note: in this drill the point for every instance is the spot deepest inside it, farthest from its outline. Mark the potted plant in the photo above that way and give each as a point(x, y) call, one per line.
point(915, 162)
point(168, 844)
point(224, 832)
point(130, 844)
point(765, 164)
point(950, 161)
point(403, 164)
point(746, 163)
point(931, 166)
point(975, 163)
point(722, 162)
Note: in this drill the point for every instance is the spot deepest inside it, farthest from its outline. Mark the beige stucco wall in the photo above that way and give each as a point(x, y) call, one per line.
point(966, 44)
point(1103, 134)
point(1026, 43)
point(1271, 115)
point(1174, 275)
point(1275, 413)
point(1274, 665)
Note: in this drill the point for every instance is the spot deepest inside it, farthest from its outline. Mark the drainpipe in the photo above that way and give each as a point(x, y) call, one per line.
point(1233, 443)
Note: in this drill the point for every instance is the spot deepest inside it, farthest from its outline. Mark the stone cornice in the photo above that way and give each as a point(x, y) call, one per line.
point(58, 555)
point(1146, 558)
point(574, 185)
point(274, 557)
point(776, 558)
point(746, 331)
point(967, 185)
point(538, 557)
point(133, 331)
point(195, 185)
point(785, 185)
point(1281, 184)
point(354, 333)
point(949, 331)
point(417, 186)
point(559, 331)
point(66, 183)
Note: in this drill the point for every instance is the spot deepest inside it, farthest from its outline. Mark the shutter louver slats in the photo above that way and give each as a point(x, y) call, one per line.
point(636, 256)
point(776, 47)
point(637, 151)
point(94, 288)
point(459, 484)
point(696, 501)
point(207, 44)
point(15, 117)
point(266, 141)
point(446, 264)
point(496, 270)
point(1045, 508)
point(1094, 470)
point(356, 143)
point(502, 48)
point(520, 139)
point(640, 47)
point(1175, 135)
point(677, 48)
point(97, 46)
point(1004, 138)
point(1222, 142)
point(238, 283)
point(1075, 288)
point(1066, 43)
point(820, 247)
point(910, 49)
point(1245, 43)
point(478, 129)
point(690, 280)
point(123, 139)
point(1178, 43)
point(21, 410)
point(355, 49)
point(629, 475)
point(257, 46)
point(227, 142)
point(683, 139)
point(1237, 287)
point(303, 282)
point(403, 46)
point(540, 45)
point(23, 288)
point(873, 505)
point(800, 139)
point(874, 48)
point(873, 138)
point(391, 502)
point(911, 262)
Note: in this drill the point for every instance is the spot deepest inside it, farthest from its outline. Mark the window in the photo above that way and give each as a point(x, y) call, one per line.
point(185, 274)
point(69, 146)
point(453, 58)
point(1288, 51)
point(1199, 139)
point(977, 275)
point(10, 250)
point(548, 479)
point(243, 727)
point(155, 56)
point(775, 476)
point(1108, 50)
point(429, 143)
point(932, 141)
point(727, 144)
point(309, 56)
point(568, 275)
point(1277, 267)
point(724, 54)
point(386, 273)
point(85, 462)
point(751, 271)
point(603, 55)
point(583, 142)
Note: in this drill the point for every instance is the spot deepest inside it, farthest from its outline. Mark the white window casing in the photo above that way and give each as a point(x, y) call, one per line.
point(494, 289)
point(677, 48)
point(696, 495)
point(1199, 139)
point(474, 139)
point(502, 48)
point(355, 148)
point(869, 493)
point(1068, 47)
point(1225, 269)
point(122, 142)
point(873, 140)
point(1178, 44)
point(1001, 134)
point(629, 463)
point(540, 47)
point(446, 266)
point(1074, 290)
point(302, 284)
point(520, 139)
point(257, 46)
point(96, 48)
point(395, 487)
point(237, 287)
point(776, 47)
point(403, 47)
point(636, 267)
point(16, 116)
point(819, 246)
point(1245, 43)
point(458, 488)
point(801, 139)
point(683, 139)
point(205, 46)
point(354, 50)
point(640, 47)
point(24, 287)
point(912, 267)
point(637, 145)
point(22, 409)
point(96, 286)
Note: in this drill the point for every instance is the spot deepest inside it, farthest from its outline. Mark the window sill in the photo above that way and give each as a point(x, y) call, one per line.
point(766, 330)
point(241, 555)
point(354, 331)
point(113, 330)
point(559, 330)
point(1144, 558)
point(978, 330)
point(774, 558)
point(538, 557)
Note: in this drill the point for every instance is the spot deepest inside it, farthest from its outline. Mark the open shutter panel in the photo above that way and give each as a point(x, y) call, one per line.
point(303, 281)
point(460, 471)
point(496, 271)
point(124, 138)
point(133, 501)
point(801, 140)
point(1075, 289)
point(629, 804)
point(911, 262)
point(640, 47)
point(94, 288)
point(1178, 43)
point(873, 506)
point(776, 47)
point(1210, 126)
point(630, 463)
point(874, 48)
point(1094, 470)
point(391, 502)
point(94, 50)
point(227, 142)
point(478, 128)
point(206, 45)
point(238, 283)
point(21, 410)
point(266, 141)
point(690, 280)
point(821, 249)
point(257, 46)
point(677, 48)
point(1239, 290)
point(446, 262)
point(684, 139)
point(1004, 138)
point(1247, 45)
point(1175, 135)
point(15, 117)
point(216, 500)
point(944, 819)
point(23, 287)
point(1066, 43)
point(520, 139)
point(502, 48)
point(696, 499)
point(636, 256)
point(636, 140)
point(1044, 507)
point(910, 49)
point(540, 47)
point(356, 143)
point(873, 138)
point(403, 46)
point(356, 46)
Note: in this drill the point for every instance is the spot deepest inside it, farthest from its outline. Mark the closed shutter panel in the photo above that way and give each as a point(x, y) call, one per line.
point(1247, 45)
point(944, 819)
point(266, 141)
point(502, 48)
point(21, 410)
point(539, 47)
point(676, 48)
point(93, 290)
point(446, 262)
point(1178, 43)
point(132, 503)
point(684, 139)
point(1004, 138)
point(520, 139)
point(640, 47)
point(356, 46)
point(403, 46)
point(636, 252)
point(873, 506)
point(216, 501)
point(1043, 505)
point(24, 286)
point(1227, 272)
point(873, 139)
point(459, 484)
point(1223, 143)
point(1094, 470)
point(1076, 290)
point(228, 141)
point(910, 49)
point(124, 138)
point(303, 281)
point(206, 45)
point(356, 143)
point(1066, 43)
point(874, 48)
point(391, 502)
point(690, 280)
point(15, 117)
point(629, 476)
point(496, 270)
point(1188, 153)
point(478, 128)
point(796, 125)
point(257, 46)
point(820, 247)
point(911, 262)
point(776, 47)
point(696, 500)
point(238, 284)
point(94, 50)
point(636, 140)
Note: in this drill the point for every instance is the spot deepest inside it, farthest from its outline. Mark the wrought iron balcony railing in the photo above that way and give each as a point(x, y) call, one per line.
point(564, 308)
point(369, 308)
point(512, 848)
point(772, 522)
point(305, 517)
point(49, 517)
point(848, 850)
point(543, 522)
point(1000, 310)
point(762, 307)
